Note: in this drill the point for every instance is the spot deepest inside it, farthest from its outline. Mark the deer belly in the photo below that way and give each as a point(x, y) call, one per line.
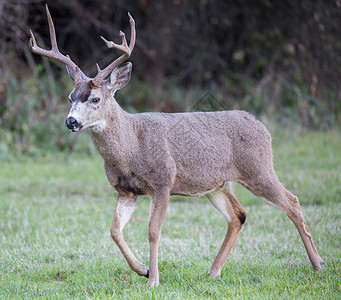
point(200, 181)
point(192, 187)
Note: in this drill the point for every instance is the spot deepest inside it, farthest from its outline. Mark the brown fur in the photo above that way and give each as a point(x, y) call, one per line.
point(159, 154)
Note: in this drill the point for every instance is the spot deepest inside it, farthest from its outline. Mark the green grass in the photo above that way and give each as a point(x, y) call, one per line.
point(56, 210)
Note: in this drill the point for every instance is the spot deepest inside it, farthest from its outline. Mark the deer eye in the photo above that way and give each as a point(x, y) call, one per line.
point(95, 100)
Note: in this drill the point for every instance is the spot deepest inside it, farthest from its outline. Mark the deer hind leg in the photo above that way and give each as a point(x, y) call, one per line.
point(124, 209)
point(225, 201)
point(269, 188)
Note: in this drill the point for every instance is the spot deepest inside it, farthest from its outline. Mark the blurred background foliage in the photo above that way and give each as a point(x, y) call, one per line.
point(280, 60)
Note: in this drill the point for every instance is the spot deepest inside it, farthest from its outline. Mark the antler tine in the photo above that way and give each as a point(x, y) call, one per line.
point(127, 50)
point(123, 47)
point(51, 29)
point(54, 53)
point(132, 32)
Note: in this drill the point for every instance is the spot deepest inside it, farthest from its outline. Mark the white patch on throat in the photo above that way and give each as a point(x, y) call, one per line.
point(99, 125)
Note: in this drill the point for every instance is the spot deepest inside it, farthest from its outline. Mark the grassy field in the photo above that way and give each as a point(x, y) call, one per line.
point(56, 210)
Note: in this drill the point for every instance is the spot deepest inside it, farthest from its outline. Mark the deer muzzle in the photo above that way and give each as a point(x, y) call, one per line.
point(72, 124)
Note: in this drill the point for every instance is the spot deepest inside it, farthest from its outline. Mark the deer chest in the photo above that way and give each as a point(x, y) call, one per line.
point(126, 181)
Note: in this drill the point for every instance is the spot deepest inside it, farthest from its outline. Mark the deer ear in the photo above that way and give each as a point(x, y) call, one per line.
point(120, 77)
point(70, 72)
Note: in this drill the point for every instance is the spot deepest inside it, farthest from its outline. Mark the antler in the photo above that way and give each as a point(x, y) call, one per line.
point(101, 74)
point(54, 52)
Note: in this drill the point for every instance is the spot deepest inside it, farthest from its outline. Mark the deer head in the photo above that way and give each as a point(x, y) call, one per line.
point(91, 96)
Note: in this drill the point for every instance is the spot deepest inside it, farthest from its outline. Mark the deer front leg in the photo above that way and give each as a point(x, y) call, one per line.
point(158, 208)
point(124, 209)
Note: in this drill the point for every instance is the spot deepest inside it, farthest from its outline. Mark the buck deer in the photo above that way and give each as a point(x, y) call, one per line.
point(161, 154)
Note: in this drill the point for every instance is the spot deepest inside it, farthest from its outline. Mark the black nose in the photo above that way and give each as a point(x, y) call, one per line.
point(71, 123)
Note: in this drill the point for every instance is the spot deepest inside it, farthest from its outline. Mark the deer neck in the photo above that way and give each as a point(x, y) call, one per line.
point(114, 136)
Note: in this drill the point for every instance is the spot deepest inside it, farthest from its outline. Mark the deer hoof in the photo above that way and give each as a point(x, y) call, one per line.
point(319, 267)
point(147, 271)
point(153, 283)
point(147, 275)
point(213, 274)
